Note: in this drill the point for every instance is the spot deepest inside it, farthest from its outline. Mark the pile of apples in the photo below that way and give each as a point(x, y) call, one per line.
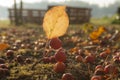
point(60, 57)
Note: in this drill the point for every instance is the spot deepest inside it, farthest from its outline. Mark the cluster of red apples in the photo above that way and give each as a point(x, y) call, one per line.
point(60, 57)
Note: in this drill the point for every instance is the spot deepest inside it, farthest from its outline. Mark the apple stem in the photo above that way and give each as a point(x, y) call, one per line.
point(105, 60)
point(45, 53)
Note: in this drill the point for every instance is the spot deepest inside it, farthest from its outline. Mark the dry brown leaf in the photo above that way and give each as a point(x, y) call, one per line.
point(3, 46)
point(74, 50)
point(108, 50)
point(87, 53)
point(55, 22)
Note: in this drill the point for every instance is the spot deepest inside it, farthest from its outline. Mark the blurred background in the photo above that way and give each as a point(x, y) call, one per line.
point(100, 10)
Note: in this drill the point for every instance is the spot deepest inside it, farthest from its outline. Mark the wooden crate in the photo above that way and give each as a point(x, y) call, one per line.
point(28, 15)
point(76, 15)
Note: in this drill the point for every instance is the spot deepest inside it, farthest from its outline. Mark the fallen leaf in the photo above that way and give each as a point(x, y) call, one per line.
point(74, 50)
point(3, 46)
point(55, 22)
point(87, 53)
point(108, 51)
point(97, 33)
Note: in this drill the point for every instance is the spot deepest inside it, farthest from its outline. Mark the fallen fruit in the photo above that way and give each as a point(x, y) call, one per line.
point(55, 43)
point(59, 67)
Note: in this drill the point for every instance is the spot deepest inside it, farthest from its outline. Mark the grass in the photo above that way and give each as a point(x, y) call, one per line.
point(98, 21)
point(7, 24)
point(4, 23)
point(104, 21)
point(101, 21)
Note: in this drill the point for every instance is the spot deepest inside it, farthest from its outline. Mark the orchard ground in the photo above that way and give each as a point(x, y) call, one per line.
point(28, 45)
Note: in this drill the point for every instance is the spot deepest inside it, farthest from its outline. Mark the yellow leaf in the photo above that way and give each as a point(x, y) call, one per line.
point(97, 33)
point(101, 29)
point(94, 35)
point(55, 22)
point(3, 46)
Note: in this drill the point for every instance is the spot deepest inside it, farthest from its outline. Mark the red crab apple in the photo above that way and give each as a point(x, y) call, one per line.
point(79, 58)
point(4, 72)
point(10, 53)
point(19, 59)
point(116, 59)
point(28, 60)
point(103, 54)
point(59, 67)
point(99, 67)
point(99, 71)
point(80, 52)
point(89, 59)
point(67, 76)
point(55, 43)
point(3, 66)
point(117, 53)
point(1, 72)
point(2, 61)
point(110, 69)
point(60, 55)
point(96, 77)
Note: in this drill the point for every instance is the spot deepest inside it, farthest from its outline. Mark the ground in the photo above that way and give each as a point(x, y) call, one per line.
point(28, 45)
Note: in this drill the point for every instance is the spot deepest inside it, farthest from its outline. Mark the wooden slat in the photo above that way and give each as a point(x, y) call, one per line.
point(76, 15)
